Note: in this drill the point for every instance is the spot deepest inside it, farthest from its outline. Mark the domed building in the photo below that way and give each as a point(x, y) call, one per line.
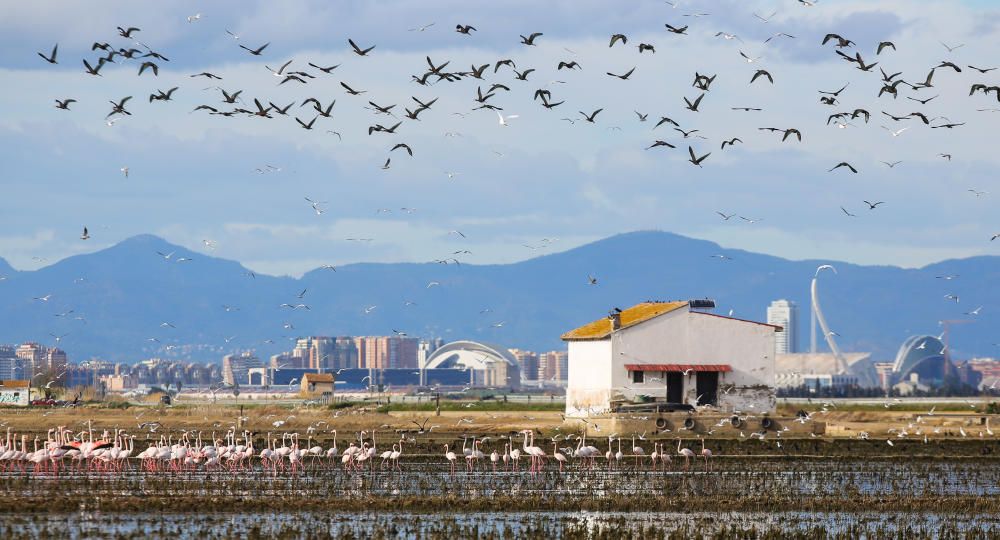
point(924, 356)
point(491, 366)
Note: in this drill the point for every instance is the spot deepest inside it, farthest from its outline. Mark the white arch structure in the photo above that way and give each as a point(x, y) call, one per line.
point(841, 362)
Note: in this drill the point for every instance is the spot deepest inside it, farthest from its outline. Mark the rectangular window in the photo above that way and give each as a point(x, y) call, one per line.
point(638, 376)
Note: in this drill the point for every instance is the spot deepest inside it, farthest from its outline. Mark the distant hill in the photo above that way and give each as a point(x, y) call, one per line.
point(124, 293)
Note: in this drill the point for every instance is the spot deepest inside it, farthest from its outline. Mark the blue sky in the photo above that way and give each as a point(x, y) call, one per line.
point(192, 176)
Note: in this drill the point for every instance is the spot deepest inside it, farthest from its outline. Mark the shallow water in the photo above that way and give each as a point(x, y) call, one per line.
point(86, 524)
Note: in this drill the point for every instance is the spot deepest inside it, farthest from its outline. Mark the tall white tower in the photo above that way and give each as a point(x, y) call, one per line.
point(784, 314)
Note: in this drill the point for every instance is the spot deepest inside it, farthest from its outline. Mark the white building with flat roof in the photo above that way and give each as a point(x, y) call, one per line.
point(784, 313)
point(669, 353)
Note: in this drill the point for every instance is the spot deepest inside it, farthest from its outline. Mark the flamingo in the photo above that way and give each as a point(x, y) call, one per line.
point(664, 456)
point(450, 456)
point(686, 452)
point(515, 454)
point(706, 453)
point(506, 455)
point(494, 458)
point(655, 455)
point(592, 450)
point(331, 453)
point(394, 457)
point(477, 454)
point(558, 456)
point(619, 455)
point(609, 455)
point(385, 457)
point(536, 453)
point(637, 451)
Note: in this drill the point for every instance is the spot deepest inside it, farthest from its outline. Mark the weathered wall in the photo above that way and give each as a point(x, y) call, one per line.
point(589, 388)
point(685, 337)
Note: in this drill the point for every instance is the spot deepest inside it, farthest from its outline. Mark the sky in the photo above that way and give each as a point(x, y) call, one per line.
point(546, 182)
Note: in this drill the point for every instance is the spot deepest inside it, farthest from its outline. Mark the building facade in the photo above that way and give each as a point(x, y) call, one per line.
point(236, 368)
point(387, 352)
point(784, 313)
point(10, 364)
point(668, 352)
point(552, 368)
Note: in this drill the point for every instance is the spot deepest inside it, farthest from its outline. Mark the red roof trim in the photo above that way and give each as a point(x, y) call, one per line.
point(776, 327)
point(725, 368)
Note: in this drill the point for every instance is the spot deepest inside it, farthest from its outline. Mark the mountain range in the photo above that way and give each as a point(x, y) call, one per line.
point(130, 302)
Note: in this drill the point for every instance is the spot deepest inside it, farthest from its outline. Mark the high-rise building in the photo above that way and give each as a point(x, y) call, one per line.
point(552, 367)
point(344, 354)
point(235, 368)
point(784, 313)
point(286, 360)
point(10, 364)
point(527, 362)
point(385, 352)
point(36, 359)
point(325, 353)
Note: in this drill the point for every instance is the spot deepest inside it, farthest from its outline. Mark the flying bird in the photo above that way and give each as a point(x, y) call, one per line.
point(883, 44)
point(696, 160)
point(503, 119)
point(693, 106)
point(51, 58)
point(257, 51)
point(530, 40)
point(844, 164)
point(623, 76)
point(358, 50)
point(590, 117)
point(762, 73)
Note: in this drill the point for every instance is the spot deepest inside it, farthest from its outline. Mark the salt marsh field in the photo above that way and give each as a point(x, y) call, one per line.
point(356, 473)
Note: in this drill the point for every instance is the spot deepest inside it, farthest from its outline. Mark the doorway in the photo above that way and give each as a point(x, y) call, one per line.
point(675, 387)
point(707, 386)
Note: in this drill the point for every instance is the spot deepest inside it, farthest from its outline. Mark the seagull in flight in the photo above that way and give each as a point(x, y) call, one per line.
point(503, 120)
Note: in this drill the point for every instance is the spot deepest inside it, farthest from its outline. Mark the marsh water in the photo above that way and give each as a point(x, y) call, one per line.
point(766, 498)
point(498, 524)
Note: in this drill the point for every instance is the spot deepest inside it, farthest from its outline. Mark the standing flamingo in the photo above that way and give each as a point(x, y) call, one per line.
point(686, 452)
point(450, 456)
point(707, 454)
point(394, 457)
point(558, 456)
point(515, 454)
point(637, 451)
point(610, 454)
point(494, 458)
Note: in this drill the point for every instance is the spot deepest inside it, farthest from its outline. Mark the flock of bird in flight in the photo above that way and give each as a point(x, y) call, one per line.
point(386, 122)
point(502, 76)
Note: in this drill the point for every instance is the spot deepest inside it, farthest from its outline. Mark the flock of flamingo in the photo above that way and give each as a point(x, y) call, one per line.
point(112, 452)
